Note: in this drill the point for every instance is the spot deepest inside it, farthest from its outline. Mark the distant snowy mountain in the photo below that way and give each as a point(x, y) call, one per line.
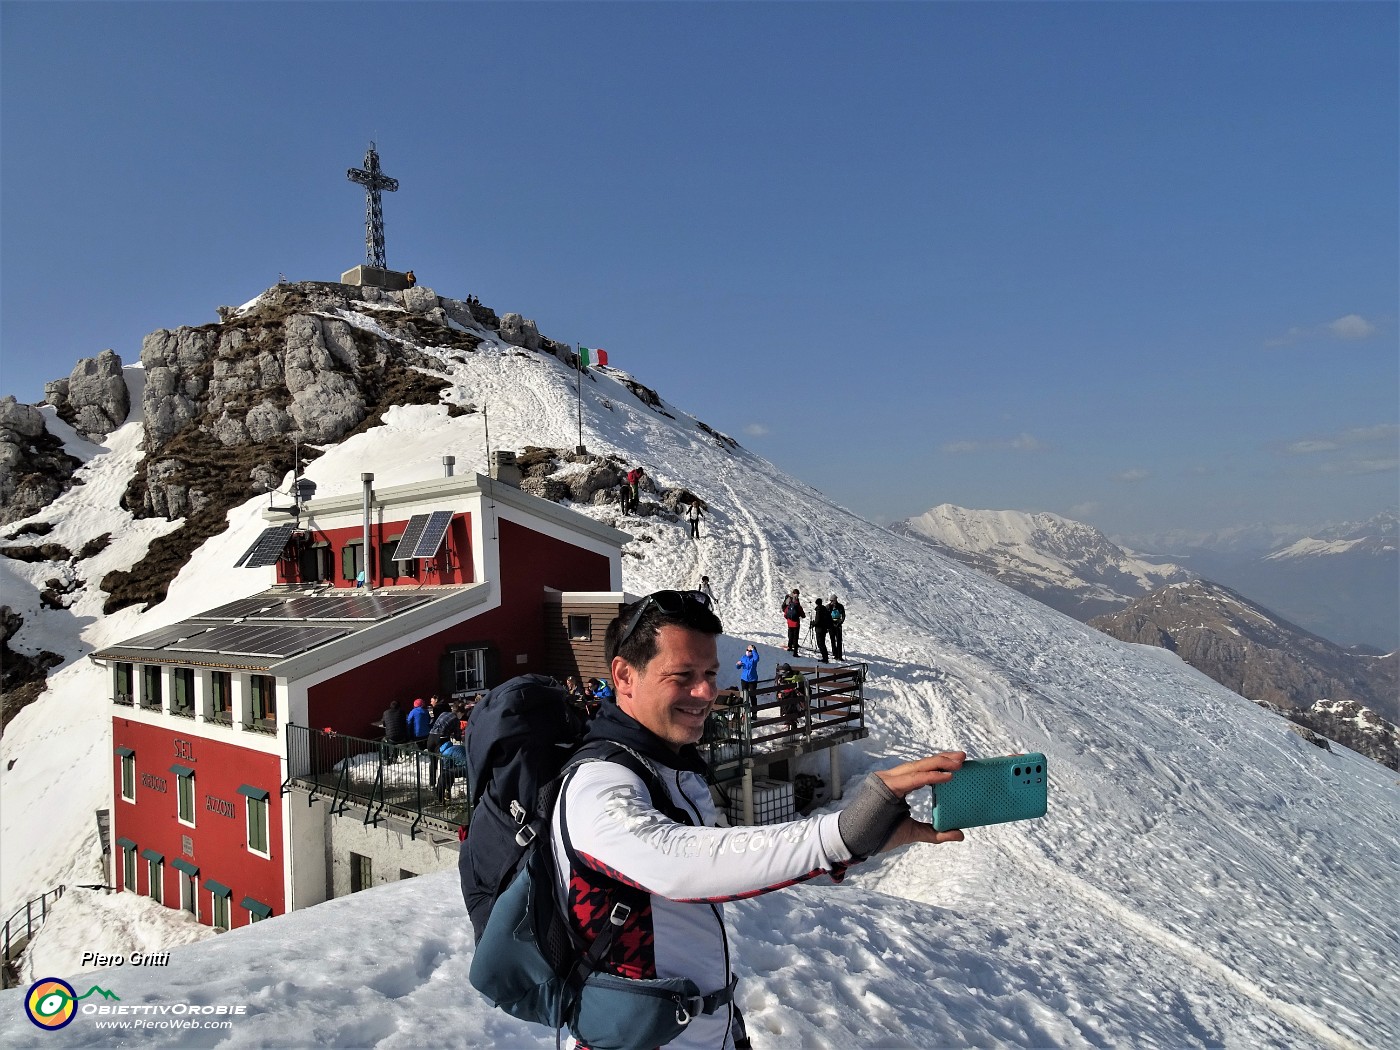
point(1341, 582)
point(1204, 876)
point(1378, 536)
point(1068, 565)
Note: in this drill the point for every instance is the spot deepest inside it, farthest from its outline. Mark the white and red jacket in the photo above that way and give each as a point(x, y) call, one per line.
point(688, 871)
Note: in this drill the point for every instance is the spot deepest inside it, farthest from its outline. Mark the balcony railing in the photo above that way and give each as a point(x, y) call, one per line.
point(125, 699)
point(262, 725)
point(828, 708)
point(385, 780)
point(397, 780)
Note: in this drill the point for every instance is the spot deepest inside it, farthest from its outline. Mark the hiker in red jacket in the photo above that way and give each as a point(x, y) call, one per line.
point(794, 614)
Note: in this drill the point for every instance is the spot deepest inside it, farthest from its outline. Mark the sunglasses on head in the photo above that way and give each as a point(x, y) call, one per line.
point(671, 603)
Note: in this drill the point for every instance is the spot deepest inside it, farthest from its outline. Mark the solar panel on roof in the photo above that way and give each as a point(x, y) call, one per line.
point(267, 548)
point(412, 533)
point(161, 638)
point(270, 640)
point(258, 604)
point(433, 534)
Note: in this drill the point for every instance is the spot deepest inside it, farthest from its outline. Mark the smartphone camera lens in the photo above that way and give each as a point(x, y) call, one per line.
point(1018, 771)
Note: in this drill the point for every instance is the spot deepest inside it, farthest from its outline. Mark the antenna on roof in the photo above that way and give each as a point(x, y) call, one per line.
point(302, 489)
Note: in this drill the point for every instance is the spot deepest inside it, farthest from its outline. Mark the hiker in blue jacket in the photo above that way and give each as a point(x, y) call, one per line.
point(420, 723)
point(454, 765)
point(748, 677)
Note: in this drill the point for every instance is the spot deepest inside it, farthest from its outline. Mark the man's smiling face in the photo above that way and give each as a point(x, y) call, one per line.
point(673, 694)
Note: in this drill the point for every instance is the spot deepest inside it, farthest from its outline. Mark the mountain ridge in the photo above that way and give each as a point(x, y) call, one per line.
point(1069, 565)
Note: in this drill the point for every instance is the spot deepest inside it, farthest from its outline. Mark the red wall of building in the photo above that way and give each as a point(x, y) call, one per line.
point(530, 562)
point(220, 841)
point(453, 564)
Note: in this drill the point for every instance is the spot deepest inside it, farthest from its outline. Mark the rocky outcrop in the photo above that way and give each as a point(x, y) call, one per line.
point(581, 477)
point(520, 331)
point(34, 468)
point(1348, 724)
point(94, 399)
point(22, 676)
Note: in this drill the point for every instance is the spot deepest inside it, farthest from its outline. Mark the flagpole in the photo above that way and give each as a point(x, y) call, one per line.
point(579, 359)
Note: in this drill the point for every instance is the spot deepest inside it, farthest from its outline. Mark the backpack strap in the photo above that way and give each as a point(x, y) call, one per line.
point(626, 899)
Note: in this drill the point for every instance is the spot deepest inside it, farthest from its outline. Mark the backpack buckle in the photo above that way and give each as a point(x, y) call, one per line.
point(620, 914)
point(517, 811)
point(687, 1009)
point(525, 835)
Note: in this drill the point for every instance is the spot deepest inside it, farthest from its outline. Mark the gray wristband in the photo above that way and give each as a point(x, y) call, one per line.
point(871, 818)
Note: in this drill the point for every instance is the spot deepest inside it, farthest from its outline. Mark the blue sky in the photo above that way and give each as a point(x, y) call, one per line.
point(1133, 263)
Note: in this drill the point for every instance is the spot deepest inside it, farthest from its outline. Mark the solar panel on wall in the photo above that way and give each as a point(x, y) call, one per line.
point(433, 534)
point(412, 532)
point(267, 548)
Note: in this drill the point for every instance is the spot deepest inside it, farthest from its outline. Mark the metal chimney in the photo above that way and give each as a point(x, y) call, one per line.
point(368, 480)
point(448, 462)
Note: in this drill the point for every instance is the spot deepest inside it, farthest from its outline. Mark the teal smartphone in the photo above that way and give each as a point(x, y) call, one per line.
point(991, 791)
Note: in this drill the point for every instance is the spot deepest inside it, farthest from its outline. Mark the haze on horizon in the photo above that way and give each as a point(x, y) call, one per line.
point(1132, 264)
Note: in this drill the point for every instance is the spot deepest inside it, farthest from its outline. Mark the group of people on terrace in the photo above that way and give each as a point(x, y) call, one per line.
point(436, 727)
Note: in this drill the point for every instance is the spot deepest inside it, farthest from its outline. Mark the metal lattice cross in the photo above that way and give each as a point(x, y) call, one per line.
point(374, 181)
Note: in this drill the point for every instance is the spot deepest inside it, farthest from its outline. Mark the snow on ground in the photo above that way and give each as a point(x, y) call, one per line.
point(1204, 876)
point(115, 925)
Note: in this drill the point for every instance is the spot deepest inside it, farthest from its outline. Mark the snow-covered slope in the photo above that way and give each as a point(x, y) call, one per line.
point(1067, 564)
point(1204, 876)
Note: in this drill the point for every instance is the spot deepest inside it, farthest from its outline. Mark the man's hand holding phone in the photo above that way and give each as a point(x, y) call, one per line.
point(911, 776)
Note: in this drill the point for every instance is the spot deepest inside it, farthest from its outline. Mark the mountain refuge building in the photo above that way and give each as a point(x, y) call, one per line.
point(249, 773)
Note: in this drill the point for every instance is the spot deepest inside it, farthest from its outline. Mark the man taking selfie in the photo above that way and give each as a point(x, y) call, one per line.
point(607, 829)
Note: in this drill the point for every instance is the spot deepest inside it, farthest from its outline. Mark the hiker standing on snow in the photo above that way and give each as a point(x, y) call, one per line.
point(794, 614)
point(705, 589)
point(838, 620)
point(748, 677)
point(821, 624)
point(606, 827)
point(634, 480)
point(693, 516)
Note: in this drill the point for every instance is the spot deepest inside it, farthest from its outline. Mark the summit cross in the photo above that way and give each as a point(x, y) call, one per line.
point(374, 181)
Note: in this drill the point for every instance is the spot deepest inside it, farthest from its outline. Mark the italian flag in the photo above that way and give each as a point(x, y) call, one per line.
point(588, 357)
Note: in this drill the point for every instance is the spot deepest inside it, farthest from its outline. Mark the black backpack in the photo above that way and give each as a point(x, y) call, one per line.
point(517, 741)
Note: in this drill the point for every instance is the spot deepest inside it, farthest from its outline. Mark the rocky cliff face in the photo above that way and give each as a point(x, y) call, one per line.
point(1248, 649)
